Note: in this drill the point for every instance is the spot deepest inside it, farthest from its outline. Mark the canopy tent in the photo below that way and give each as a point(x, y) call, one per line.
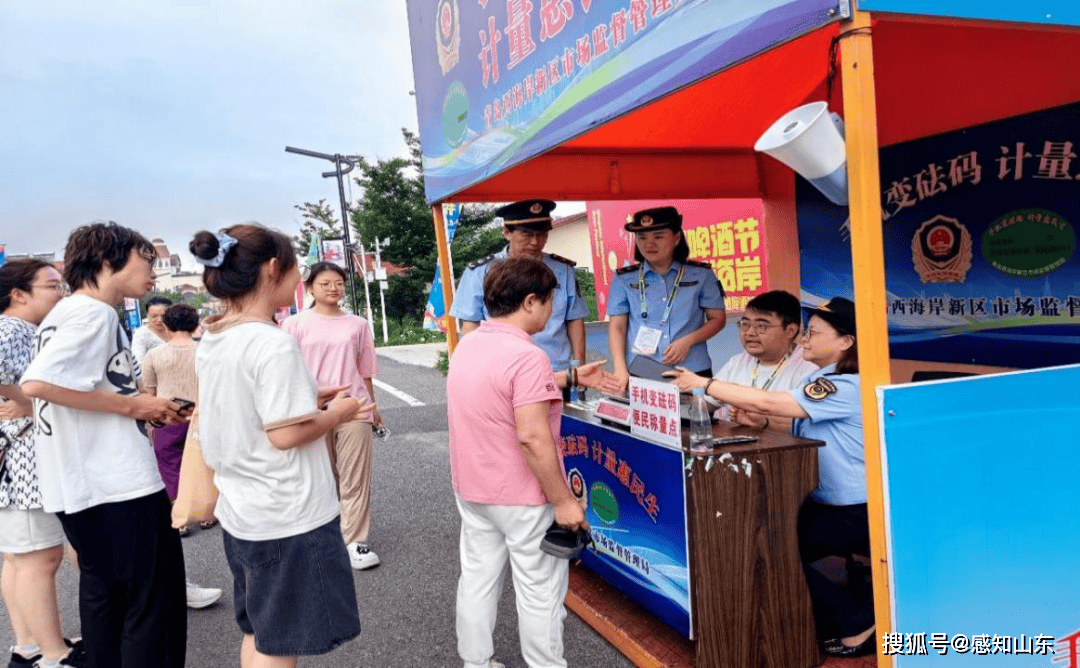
point(900, 77)
point(932, 76)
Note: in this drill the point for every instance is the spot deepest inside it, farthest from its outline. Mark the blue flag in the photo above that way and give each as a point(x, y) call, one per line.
point(3, 256)
point(435, 312)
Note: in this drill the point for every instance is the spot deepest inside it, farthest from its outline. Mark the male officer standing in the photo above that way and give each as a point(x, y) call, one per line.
point(525, 226)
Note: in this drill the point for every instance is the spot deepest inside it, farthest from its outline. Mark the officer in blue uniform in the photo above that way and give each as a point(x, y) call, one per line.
point(665, 306)
point(833, 521)
point(525, 226)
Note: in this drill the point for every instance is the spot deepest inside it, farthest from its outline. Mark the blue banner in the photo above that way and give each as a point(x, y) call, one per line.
point(3, 254)
point(498, 82)
point(1048, 12)
point(983, 536)
point(435, 311)
point(634, 494)
point(980, 238)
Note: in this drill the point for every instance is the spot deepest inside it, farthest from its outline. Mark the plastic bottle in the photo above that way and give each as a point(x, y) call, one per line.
point(700, 422)
point(575, 394)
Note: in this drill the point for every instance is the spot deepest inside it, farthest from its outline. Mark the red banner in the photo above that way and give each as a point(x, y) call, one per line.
point(729, 234)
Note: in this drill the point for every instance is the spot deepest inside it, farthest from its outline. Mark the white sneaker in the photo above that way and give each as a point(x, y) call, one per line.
point(361, 556)
point(200, 597)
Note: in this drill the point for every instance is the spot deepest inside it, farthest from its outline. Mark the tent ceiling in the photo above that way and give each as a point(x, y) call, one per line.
point(932, 77)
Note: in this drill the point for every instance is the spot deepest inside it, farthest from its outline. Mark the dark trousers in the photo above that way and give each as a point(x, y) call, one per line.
point(132, 598)
point(840, 610)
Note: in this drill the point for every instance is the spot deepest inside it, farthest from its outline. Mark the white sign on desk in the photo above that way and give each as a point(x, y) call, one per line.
point(654, 411)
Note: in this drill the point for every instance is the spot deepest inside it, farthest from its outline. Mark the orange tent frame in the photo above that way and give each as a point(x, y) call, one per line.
point(893, 78)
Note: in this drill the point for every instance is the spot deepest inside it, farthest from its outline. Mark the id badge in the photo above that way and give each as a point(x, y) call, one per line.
point(647, 341)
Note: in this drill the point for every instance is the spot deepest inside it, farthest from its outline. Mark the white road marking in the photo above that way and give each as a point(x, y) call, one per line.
point(390, 389)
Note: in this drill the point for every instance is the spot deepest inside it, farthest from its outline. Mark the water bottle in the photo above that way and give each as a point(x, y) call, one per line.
point(700, 422)
point(575, 394)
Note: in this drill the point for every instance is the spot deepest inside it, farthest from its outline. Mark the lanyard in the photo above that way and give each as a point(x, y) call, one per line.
point(753, 376)
point(671, 299)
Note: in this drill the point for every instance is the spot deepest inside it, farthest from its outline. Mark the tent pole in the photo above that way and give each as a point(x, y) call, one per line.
point(868, 268)
point(447, 275)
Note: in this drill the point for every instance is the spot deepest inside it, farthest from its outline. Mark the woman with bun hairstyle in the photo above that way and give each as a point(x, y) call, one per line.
point(262, 432)
point(340, 350)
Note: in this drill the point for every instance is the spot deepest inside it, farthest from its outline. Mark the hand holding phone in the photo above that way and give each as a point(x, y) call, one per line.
point(186, 405)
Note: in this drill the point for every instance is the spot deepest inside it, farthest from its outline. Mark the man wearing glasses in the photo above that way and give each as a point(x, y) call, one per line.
point(771, 357)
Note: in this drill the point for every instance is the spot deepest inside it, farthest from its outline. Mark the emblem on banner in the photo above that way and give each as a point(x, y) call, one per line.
point(448, 34)
point(941, 251)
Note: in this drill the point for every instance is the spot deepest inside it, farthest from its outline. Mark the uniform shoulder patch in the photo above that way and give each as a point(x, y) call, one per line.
point(482, 261)
point(696, 263)
point(819, 389)
point(560, 258)
point(628, 268)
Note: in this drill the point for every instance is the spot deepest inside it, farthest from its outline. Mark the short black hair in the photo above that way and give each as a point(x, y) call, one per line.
point(782, 303)
point(91, 246)
point(18, 275)
point(157, 300)
point(181, 318)
point(510, 281)
point(318, 268)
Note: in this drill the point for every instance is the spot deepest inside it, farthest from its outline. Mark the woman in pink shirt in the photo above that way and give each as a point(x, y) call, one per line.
point(340, 352)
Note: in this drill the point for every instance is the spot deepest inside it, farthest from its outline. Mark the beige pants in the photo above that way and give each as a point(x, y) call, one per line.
point(351, 456)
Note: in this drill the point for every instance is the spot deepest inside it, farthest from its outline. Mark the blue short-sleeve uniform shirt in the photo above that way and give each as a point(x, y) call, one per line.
point(469, 304)
point(834, 405)
point(698, 290)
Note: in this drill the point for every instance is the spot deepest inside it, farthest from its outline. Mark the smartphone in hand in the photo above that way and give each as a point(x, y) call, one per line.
point(186, 405)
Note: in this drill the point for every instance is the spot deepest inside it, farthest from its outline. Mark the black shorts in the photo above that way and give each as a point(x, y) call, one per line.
point(294, 594)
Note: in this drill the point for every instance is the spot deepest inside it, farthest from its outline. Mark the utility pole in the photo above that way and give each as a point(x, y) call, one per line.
point(382, 287)
point(349, 163)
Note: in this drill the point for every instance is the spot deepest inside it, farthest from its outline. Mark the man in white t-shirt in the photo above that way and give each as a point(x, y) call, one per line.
point(771, 357)
point(95, 463)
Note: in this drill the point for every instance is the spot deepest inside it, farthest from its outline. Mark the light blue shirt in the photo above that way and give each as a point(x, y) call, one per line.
point(835, 408)
point(698, 290)
point(568, 304)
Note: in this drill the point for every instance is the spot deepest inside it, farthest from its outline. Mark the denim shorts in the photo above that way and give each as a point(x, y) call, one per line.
point(295, 595)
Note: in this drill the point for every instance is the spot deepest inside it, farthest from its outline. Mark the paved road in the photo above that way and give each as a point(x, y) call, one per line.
point(407, 603)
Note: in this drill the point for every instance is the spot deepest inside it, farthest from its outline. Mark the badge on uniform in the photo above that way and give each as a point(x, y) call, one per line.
point(647, 341)
point(819, 389)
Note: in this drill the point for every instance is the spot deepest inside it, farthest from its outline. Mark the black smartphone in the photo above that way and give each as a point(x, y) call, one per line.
point(186, 405)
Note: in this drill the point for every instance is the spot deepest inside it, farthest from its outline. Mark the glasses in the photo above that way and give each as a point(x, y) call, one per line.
point(811, 333)
point(759, 326)
point(56, 286)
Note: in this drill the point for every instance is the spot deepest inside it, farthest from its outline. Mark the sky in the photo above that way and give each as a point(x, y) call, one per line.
point(170, 117)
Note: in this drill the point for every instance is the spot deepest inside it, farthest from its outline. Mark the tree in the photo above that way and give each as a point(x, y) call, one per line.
point(393, 208)
point(320, 220)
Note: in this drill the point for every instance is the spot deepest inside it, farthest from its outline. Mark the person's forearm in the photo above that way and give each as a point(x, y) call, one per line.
point(100, 401)
point(768, 403)
point(575, 331)
point(294, 435)
point(370, 385)
point(13, 393)
point(543, 460)
point(617, 344)
point(707, 331)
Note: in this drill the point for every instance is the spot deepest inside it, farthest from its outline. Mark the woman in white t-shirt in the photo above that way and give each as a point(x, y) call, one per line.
point(340, 350)
point(261, 431)
point(31, 539)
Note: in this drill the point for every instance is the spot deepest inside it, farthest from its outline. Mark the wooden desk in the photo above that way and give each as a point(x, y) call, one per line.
point(751, 607)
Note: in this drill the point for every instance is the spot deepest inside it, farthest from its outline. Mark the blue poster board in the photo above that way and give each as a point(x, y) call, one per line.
point(636, 504)
point(498, 82)
point(980, 231)
point(982, 486)
point(1048, 12)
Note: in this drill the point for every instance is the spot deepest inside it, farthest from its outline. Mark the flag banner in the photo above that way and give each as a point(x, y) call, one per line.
point(435, 312)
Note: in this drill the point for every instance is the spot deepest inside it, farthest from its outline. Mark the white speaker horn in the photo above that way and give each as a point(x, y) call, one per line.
point(809, 140)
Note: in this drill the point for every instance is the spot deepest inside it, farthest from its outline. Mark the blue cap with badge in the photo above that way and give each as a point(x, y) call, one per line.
point(529, 214)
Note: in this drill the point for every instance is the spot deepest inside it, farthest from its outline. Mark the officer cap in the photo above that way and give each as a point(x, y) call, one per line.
point(529, 214)
point(838, 312)
point(660, 218)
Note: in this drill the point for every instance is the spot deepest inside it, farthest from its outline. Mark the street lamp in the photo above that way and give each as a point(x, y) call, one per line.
point(349, 163)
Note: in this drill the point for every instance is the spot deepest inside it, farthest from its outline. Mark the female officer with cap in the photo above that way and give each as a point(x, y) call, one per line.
point(525, 226)
point(664, 307)
point(833, 520)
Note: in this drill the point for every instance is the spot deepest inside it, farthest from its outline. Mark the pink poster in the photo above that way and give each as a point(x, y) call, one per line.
point(729, 234)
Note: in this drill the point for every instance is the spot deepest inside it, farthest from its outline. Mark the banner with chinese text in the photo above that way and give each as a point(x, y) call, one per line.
point(983, 537)
point(980, 239)
point(435, 311)
point(498, 82)
point(1048, 12)
point(654, 411)
point(634, 495)
point(729, 234)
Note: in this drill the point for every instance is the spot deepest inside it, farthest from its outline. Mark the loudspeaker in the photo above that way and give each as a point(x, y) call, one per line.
point(810, 141)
